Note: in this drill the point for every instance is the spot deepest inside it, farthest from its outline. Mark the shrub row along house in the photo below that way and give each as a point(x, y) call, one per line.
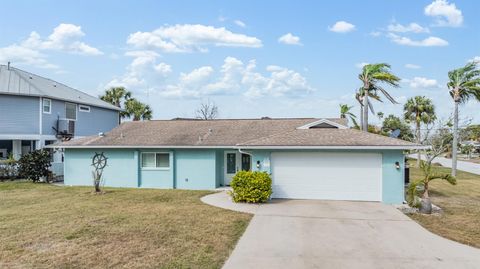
point(308, 158)
point(36, 111)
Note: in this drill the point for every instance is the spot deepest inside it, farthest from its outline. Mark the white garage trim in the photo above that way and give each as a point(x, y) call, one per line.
point(327, 175)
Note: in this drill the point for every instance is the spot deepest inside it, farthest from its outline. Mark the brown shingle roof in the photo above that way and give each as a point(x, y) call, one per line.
point(231, 133)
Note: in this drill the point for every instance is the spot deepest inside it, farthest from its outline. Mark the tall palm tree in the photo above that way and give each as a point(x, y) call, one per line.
point(345, 111)
point(138, 110)
point(372, 76)
point(359, 96)
point(464, 83)
point(419, 109)
point(117, 96)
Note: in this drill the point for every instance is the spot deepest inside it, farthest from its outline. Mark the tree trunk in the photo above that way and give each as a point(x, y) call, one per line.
point(361, 117)
point(455, 140)
point(418, 142)
point(365, 112)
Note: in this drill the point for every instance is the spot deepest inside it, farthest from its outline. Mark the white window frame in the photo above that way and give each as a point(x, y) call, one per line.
point(155, 154)
point(76, 110)
point(85, 107)
point(49, 106)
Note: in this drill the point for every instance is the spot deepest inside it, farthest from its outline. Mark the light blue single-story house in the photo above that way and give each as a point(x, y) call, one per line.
point(307, 158)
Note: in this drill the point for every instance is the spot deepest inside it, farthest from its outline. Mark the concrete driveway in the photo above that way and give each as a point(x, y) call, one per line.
point(340, 234)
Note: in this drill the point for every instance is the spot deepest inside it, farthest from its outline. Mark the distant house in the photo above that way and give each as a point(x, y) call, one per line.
point(308, 158)
point(36, 111)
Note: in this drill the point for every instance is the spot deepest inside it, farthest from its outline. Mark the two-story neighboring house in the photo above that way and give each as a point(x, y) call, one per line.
point(36, 111)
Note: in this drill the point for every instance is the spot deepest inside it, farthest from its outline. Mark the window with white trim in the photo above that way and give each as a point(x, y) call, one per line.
point(155, 160)
point(70, 111)
point(47, 106)
point(83, 108)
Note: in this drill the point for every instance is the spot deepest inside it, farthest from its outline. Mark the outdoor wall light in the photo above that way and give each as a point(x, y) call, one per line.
point(397, 165)
point(258, 164)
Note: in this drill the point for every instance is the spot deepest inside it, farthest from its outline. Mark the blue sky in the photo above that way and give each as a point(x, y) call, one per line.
point(252, 58)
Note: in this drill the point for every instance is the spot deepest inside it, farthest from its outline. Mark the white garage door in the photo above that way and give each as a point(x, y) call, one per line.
point(330, 176)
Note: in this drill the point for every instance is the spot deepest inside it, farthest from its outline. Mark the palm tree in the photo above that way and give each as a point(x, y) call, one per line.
point(117, 96)
point(138, 110)
point(359, 96)
point(372, 75)
point(464, 84)
point(419, 109)
point(345, 111)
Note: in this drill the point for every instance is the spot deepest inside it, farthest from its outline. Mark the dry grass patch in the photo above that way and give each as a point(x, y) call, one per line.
point(461, 205)
point(61, 227)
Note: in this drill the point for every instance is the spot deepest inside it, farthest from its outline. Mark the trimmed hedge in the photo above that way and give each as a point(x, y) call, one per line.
point(251, 187)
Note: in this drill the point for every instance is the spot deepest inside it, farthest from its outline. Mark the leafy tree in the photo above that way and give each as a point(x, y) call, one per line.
point(35, 165)
point(419, 109)
point(464, 84)
point(138, 110)
point(380, 115)
point(372, 76)
point(207, 111)
point(117, 96)
point(345, 111)
point(392, 123)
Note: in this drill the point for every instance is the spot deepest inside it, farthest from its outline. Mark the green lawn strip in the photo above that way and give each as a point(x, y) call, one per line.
point(460, 220)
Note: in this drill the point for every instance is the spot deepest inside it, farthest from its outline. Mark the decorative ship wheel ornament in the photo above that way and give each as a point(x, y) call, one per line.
point(99, 161)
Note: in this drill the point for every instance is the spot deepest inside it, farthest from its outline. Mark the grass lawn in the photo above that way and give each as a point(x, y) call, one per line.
point(461, 206)
point(63, 227)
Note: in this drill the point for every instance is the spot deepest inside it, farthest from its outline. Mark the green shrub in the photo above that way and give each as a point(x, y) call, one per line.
point(251, 187)
point(35, 165)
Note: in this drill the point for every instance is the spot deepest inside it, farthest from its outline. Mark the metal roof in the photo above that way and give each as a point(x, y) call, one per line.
point(15, 81)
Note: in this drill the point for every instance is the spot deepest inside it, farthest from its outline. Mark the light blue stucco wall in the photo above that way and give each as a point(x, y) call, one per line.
point(87, 123)
point(201, 169)
point(393, 178)
point(121, 170)
point(195, 169)
point(158, 178)
point(19, 114)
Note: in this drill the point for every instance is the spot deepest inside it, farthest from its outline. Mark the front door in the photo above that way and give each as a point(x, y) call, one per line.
point(234, 161)
point(231, 166)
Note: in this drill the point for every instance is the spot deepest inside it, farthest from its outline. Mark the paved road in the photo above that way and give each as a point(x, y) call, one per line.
point(473, 168)
point(340, 234)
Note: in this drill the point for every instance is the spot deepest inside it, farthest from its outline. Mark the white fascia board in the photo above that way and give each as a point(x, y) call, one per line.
point(329, 122)
point(239, 147)
point(139, 147)
point(336, 147)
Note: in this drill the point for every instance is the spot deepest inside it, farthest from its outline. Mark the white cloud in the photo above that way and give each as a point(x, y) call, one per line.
point(412, 66)
point(475, 59)
point(421, 82)
point(190, 37)
point(65, 37)
point(142, 71)
point(237, 77)
point(22, 55)
point(342, 27)
point(430, 41)
point(240, 23)
point(289, 39)
point(412, 27)
point(375, 33)
point(446, 14)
